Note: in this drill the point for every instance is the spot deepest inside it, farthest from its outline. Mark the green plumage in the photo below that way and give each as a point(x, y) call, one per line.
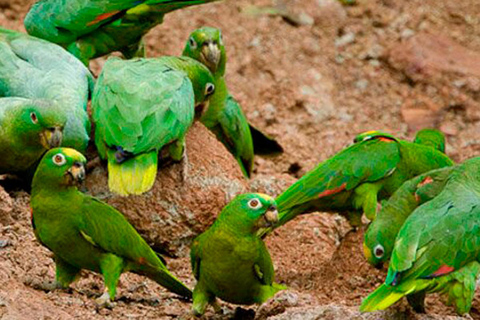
point(93, 28)
point(28, 128)
point(36, 69)
point(432, 138)
point(224, 116)
point(229, 260)
point(84, 233)
point(381, 233)
point(437, 248)
point(141, 106)
point(356, 178)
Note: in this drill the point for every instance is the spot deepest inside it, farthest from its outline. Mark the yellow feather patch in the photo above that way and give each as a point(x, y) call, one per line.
point(265, 196)
point(74, 154)
point(367, 252)
point(88, 238)
point(139, 10)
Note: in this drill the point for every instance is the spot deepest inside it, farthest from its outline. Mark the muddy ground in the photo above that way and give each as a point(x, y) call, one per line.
point(313, 78)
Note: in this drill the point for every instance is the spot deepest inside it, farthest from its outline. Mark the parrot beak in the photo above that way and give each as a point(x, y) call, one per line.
point(77, 172)
point(269, 218)
point(201, 108)
point(211, 55)
point(51, 138)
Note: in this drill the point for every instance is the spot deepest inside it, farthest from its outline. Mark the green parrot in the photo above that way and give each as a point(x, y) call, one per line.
point(355, 179)
point(93, 28)
point(230, 261)
point(85, 233)
point(437, 248)
point(431, 137)
point(225, 117)
point(381, 233)
point(142, 106)
point(36, 69)
point(28, 128)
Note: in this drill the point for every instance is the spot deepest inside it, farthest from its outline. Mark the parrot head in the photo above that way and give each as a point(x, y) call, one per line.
point(41, 125)
point(431, 137)
point(247, 213)
point(61, 167)
point(379, 241)
point(206, 45)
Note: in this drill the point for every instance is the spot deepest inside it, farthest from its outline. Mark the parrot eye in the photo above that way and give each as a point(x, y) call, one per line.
point(254, 203)
point(193, 43)
point(33, 117)
point(59, 159)
point(209, 89)
point(378, 251)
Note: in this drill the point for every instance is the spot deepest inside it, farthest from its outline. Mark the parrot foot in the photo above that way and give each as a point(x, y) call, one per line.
point(185, 165)
point(104, 301)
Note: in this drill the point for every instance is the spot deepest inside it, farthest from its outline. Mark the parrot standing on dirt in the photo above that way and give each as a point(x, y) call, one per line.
point(85, 233)
point(437, 248)
point(225, 117)
point(93, 28)
point(355, 179)
point(230, 261)
point(142, 106)
point(381, 233)
point(36, 69)
point(28, 128)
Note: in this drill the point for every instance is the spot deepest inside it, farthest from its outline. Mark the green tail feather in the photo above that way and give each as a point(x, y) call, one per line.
point(134, 176)
point(165, 279)
point(382, 298)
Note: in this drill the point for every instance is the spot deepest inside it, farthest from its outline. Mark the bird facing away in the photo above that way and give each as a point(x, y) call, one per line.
point(437, 248)
point(93, 28)
point(28, 128)
point(143, 106)
point(230, 261)
point(37, 69)
point(224, 116)
point(85, 233)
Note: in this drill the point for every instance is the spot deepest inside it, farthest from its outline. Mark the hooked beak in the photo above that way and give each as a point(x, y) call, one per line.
point(269, 218)
point(77, 172)
point(201, 108)
point(211, 55)
point(51, 138)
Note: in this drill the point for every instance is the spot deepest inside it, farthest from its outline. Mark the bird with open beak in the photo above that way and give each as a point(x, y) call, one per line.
point(230, 261)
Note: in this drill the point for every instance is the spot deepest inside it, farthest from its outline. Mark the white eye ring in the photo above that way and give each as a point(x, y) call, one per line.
point(33, 117)
point(254, 203)
point(59, 159)
point(193, 43)
point(209, 89)
point(378, 251)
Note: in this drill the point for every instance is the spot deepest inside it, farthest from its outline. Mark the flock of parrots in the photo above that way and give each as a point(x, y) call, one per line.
point(424, 209)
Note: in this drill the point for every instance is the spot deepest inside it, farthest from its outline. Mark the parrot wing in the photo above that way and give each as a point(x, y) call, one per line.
point(365, 161)
point(263, 267)
point(141, 105)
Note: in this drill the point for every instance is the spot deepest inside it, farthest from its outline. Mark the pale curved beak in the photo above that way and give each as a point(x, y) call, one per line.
point(211, 55)
point(51, 137)
point(271, 216)
point(77, 172)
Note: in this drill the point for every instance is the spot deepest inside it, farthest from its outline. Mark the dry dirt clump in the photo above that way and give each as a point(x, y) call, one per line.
point(392, 65)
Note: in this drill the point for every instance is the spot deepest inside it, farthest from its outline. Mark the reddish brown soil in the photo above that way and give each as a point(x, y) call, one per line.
point(381, 64)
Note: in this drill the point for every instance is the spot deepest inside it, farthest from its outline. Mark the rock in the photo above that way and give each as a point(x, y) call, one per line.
point(345, 40)
point(425, 55)
point(420, 112)
point(6, 207)
point(171, 214)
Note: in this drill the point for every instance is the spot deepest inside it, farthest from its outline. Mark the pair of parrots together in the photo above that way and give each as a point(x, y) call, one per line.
point(232, 246)
point(141, 107)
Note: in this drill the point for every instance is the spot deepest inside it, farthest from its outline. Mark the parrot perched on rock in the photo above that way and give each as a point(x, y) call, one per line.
point(437, 248)
point(355, 179)
point(28, 128)
point(36, 69)
point(93, 28)
point(381, 233)
point(143, 106)
point(225, 117)
point(85, 233)
point(230, 261)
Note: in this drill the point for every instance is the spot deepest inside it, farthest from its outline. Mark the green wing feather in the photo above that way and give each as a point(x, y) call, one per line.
point(139, 106)
point(367, 161)
point(36, 69)
point(109, 230)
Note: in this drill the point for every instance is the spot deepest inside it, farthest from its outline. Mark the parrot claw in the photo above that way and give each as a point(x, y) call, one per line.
point(104, 301)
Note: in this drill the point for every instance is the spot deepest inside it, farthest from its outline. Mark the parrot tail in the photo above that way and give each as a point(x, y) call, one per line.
point(168, 281)
point(384, 296)
point(135, 175)
point(269, 291)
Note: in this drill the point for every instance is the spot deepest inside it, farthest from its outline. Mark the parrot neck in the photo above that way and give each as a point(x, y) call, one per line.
point(237, 227)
